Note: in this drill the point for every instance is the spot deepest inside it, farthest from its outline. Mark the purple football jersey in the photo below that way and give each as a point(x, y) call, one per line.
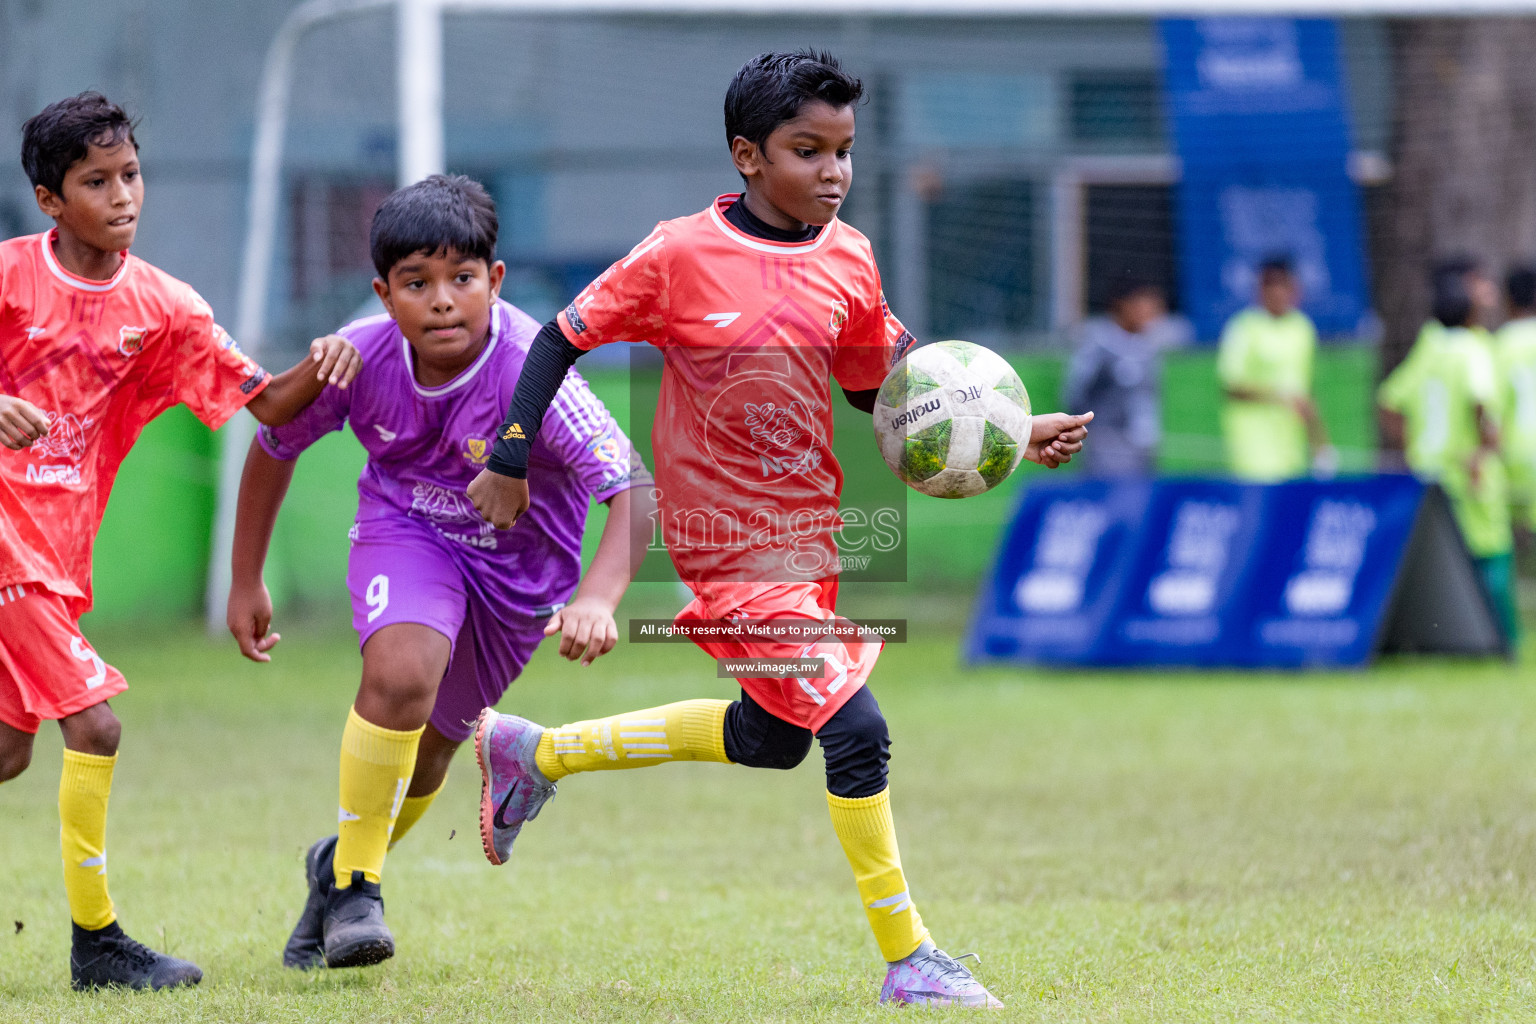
point(425, 445)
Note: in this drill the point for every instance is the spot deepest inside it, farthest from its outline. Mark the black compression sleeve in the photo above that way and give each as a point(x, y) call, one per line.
point(864, 401)
point(549, 357)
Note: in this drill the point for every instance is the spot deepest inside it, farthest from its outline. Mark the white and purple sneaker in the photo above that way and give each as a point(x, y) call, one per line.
point(931, 977)
point(512, 789)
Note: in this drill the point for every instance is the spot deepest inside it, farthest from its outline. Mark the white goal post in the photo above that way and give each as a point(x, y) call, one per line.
point(419, 92)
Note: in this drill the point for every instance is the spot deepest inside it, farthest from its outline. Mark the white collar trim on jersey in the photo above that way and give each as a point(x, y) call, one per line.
point(763, 245)
point(74, 281)
point(465, 376)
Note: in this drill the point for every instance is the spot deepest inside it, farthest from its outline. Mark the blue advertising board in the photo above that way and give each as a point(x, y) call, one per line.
point(1218, 573)
point(1258, 114)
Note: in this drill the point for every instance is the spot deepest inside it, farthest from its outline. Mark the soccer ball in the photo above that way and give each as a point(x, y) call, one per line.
point(952, 419)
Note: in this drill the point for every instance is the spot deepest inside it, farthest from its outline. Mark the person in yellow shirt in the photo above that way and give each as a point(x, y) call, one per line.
point(1265, 360)
point(1515, 350)
point(1440, 405)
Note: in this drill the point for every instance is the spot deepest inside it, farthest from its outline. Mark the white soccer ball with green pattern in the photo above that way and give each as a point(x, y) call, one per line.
point(952, 419)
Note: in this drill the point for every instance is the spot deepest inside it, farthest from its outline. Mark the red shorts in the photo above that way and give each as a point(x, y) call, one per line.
point(47, 670)
point(807, 703)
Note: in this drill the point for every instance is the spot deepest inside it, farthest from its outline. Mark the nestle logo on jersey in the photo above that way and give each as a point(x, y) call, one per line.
point(53, 474)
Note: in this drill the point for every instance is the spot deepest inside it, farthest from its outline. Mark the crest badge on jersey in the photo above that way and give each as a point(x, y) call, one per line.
point(839, 318)
point(130, 340)
point(606, 448)
point(477, 450)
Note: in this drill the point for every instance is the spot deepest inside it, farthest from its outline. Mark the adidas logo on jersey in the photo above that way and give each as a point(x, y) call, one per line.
point(514, 432)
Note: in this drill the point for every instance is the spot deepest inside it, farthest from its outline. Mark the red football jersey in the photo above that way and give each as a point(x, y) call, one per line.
point(100, 359)
point(752, 332)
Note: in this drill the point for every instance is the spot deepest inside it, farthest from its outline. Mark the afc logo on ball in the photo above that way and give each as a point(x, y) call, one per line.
point(969, 394)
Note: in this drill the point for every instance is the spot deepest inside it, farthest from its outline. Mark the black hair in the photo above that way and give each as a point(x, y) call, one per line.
point(1520, 286)
point(438, 213)
point(63, 133)
point(1459, 265)
point(1452, 301)
point(1279, 263)
point(770, 89)
point(1122, 286)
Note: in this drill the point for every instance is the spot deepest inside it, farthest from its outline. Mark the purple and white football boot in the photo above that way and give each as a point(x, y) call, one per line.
point(512, 789)
point(931, 977)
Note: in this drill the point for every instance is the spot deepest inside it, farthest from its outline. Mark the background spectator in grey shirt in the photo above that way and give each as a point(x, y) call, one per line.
point(1117, 372)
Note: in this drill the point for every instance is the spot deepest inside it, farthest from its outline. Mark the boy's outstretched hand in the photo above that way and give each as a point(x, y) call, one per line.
point(587, 630)
point(21, 423)
point(248, 615)
point(1055, 437)
point(500, 500)
point(337, 360)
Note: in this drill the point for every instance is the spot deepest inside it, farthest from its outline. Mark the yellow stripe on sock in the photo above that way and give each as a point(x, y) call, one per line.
point(690, 730)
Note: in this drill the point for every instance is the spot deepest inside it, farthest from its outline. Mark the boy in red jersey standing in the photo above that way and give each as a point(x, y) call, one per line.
point(755, 303)
point(95, 343)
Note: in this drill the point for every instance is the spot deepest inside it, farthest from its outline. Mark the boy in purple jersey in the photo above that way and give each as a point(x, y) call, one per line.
point(447, 608)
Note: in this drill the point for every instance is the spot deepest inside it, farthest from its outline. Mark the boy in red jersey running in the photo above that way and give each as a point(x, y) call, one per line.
point(754, 303)
point(95, 343)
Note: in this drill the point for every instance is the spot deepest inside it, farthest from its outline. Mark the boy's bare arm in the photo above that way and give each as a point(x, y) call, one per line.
point(586, 626)
point(263, 484)
point(1248, 393)
point(331, 360)
point(1487, 442)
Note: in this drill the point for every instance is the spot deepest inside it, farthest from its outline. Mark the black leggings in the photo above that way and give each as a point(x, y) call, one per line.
point(854, 741)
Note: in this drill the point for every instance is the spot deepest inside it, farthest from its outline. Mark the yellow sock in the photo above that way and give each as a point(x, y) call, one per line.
point(376, 766)
point(84, 787)
point(411, 810)
point(868, 835)
point(690, 730)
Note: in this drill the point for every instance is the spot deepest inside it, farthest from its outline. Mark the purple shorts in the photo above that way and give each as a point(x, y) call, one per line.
point(402, 570)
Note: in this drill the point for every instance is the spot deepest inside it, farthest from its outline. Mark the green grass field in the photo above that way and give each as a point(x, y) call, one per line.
point(1117, 848)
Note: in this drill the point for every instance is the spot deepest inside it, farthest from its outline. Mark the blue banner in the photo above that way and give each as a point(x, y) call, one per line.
point(1258, 114)
point(1198, 572)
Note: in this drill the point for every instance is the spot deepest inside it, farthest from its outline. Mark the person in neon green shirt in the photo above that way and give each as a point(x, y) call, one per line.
point(1265, 367)
point(1515, 348)
point(1441, 403)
